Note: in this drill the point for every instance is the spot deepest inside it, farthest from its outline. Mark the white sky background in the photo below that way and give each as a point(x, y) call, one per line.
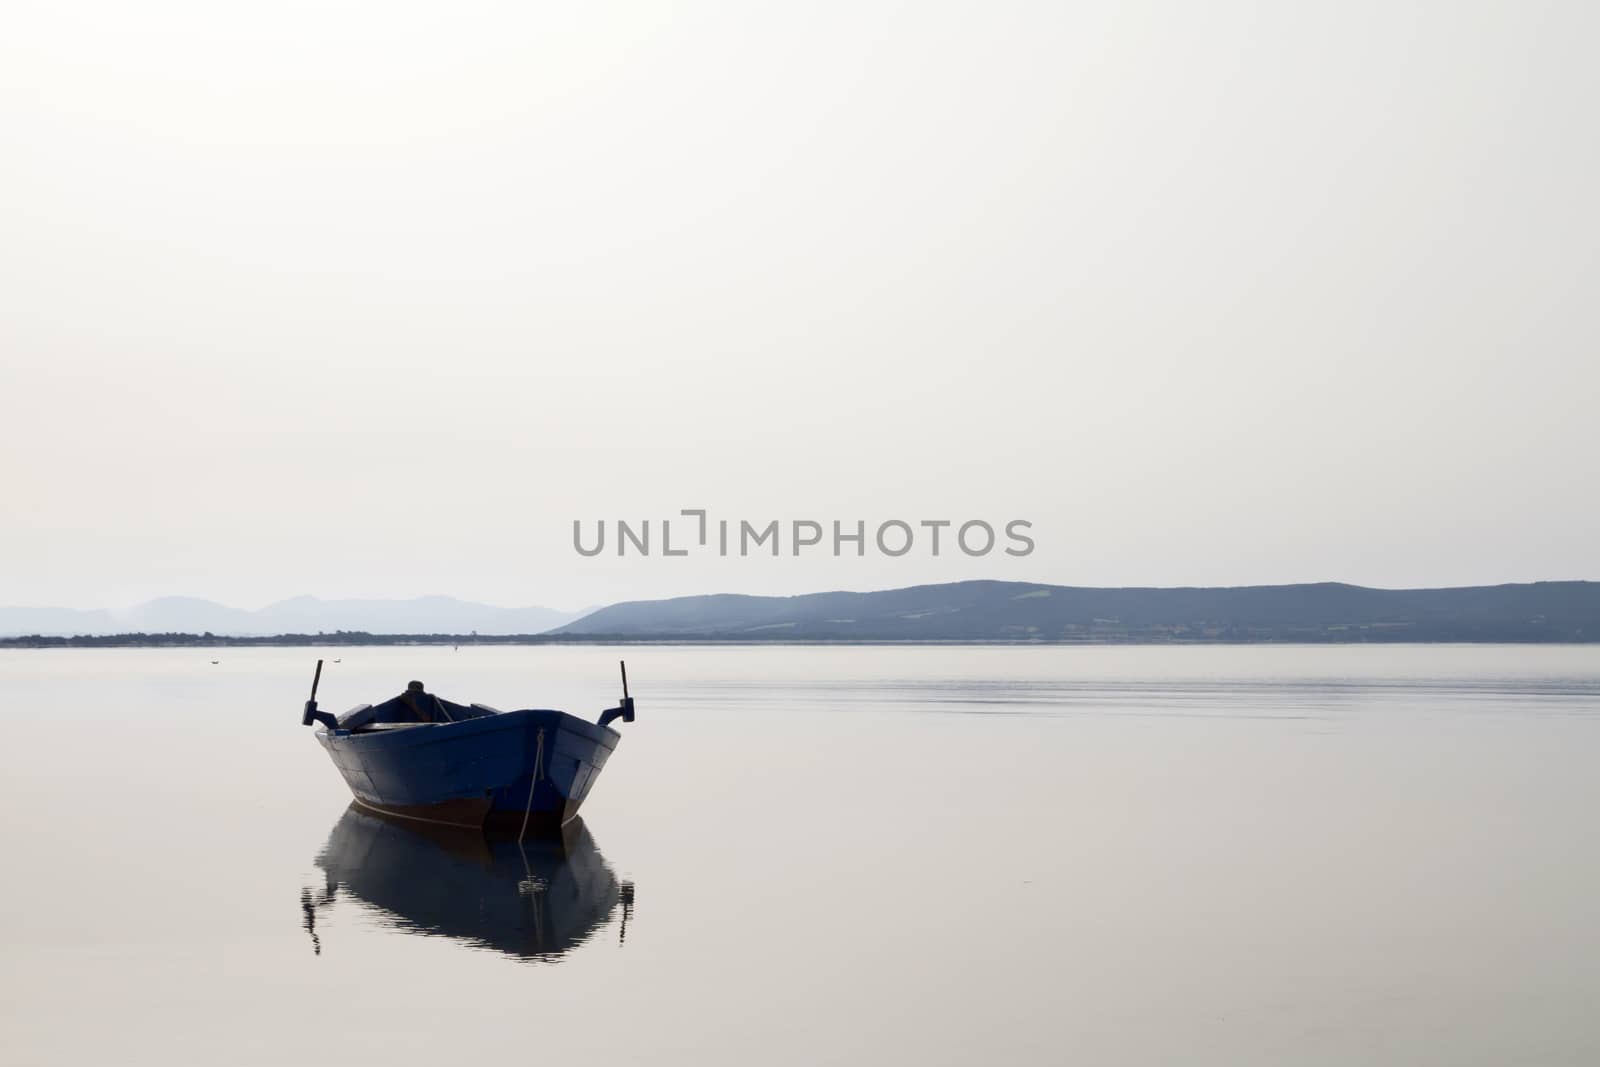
point(374, 299)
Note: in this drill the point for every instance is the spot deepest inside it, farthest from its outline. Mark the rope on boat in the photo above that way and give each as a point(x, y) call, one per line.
point(538, 772)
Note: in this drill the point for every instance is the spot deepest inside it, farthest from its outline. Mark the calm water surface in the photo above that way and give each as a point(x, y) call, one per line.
point(1227, 855)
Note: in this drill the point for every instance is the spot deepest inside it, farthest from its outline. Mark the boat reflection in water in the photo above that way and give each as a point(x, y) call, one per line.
point(534, 899)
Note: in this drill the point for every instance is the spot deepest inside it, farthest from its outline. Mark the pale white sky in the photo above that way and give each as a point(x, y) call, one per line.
point(374, 300)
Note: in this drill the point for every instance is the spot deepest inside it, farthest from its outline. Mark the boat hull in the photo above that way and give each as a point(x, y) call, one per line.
point(506, 771)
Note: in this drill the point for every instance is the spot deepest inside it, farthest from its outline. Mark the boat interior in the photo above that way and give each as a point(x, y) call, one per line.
point(414, 707)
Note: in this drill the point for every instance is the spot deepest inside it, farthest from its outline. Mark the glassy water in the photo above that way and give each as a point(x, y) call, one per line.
point(1227, 855)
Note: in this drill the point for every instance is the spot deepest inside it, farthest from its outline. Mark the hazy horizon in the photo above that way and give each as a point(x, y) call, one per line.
point(379, 303)
point(589, 607)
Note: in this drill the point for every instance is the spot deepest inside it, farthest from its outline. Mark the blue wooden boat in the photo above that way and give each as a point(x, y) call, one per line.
point(421, 757)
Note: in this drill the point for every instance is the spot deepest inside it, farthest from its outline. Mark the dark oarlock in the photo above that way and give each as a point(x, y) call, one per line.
point(312, 714)
point(623, 711)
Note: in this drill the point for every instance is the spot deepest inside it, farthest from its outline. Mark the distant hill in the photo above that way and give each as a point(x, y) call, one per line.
point(306, 614)
point(1011, 611)
point(959, 611)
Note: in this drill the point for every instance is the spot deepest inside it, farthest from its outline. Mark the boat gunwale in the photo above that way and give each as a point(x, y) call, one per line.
point(446, 731)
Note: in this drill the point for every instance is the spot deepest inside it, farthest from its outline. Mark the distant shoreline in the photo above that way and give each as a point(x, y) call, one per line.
point(365, 640)
point(980, 611)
